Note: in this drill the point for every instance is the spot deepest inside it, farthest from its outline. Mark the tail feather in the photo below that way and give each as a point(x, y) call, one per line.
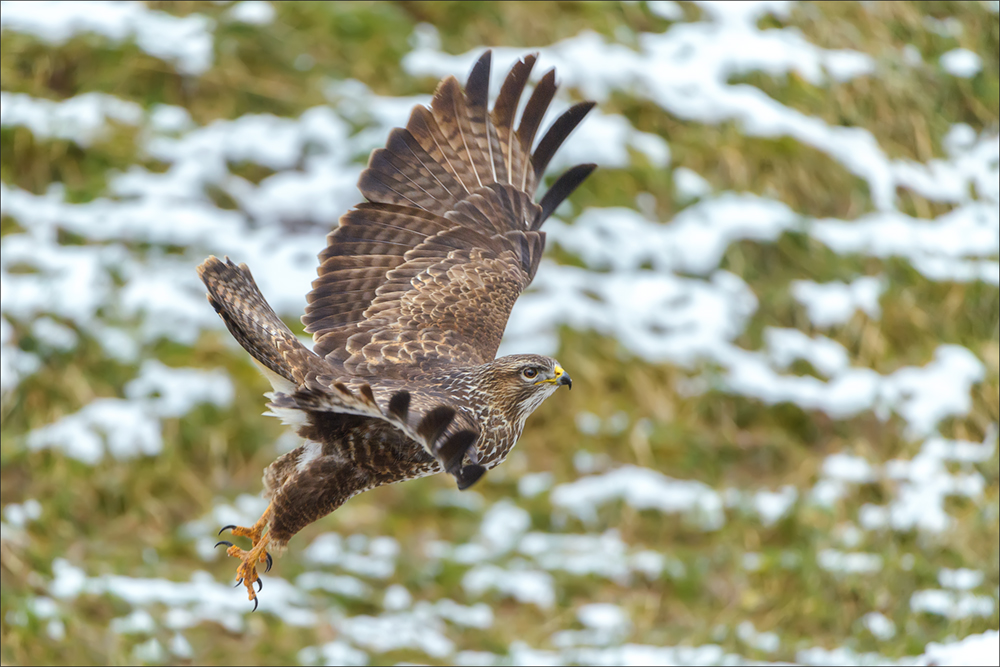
point(254, 324)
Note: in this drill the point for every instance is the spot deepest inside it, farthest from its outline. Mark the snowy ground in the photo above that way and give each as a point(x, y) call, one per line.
point(656, 286)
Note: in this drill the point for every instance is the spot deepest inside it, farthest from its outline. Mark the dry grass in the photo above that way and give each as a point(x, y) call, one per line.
point(125, 516)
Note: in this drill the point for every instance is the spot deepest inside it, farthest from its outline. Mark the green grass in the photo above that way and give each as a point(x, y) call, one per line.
point(126, 517)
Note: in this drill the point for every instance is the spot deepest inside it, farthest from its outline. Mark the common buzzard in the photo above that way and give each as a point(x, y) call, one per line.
point(414, 290)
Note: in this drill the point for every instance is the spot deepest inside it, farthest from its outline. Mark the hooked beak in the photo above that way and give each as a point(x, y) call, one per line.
point(563, 378)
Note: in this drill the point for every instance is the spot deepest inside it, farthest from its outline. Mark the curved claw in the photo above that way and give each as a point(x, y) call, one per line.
point(260, 585)
point(238, 583)
point(254, 605)
point(229, 527)
point(269, 563)
point(228, 544)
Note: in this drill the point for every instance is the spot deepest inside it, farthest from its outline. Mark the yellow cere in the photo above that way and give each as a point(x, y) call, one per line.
point(552, 380)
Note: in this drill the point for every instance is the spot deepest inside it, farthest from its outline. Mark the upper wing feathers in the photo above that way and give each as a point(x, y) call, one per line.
point(561, 189)
point(476, 120)
point(428, 270)
point(451, 116)
point(556, 135)
point(404, 173)
point(504, 110)
point(423, 127)
point(531, 118)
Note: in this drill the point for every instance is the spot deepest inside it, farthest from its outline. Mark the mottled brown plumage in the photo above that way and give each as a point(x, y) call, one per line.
point(414, 290)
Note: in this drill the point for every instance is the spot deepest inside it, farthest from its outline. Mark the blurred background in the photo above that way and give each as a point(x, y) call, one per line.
point(778, 297)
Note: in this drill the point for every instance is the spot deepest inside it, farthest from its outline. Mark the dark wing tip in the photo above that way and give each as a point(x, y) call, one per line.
point(479, 77)
point(510, 91)
point(533, 112)
point(557, 134)
point(560, 190)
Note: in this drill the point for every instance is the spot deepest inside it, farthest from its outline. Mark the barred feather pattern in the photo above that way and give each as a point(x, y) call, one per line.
point(412, 296)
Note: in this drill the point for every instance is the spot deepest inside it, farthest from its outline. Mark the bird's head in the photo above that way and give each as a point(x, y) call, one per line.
point(523, 381)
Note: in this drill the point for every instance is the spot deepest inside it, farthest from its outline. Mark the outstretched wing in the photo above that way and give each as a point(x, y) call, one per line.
point(428, 270)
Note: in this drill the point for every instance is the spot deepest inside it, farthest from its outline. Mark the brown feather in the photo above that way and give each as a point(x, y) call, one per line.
point(556, 135)
point(561, 189)
point(531, 118)
point(448, 106)
point(476, 120)
point(411, 299)
point(425, 130)
point(235, 296)
point(504, 111)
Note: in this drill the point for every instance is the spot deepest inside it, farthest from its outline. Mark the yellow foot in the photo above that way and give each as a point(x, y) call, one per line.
point(247, 569)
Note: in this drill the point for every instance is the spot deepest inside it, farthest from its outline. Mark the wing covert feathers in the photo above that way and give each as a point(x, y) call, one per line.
point(399, 405)
point(429, 267)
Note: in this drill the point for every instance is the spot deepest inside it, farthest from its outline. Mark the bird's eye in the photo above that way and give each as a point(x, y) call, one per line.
point(529, 373)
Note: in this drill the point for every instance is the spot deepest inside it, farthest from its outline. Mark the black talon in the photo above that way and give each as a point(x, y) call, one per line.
point(269, 562)
point(254, 606)
point(229, 527)
point(238, 583)
point(260, 585)
point(228, 544)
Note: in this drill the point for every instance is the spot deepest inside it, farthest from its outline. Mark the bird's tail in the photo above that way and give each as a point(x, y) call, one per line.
point(254, 324)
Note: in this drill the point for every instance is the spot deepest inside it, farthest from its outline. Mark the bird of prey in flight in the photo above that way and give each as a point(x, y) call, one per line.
point(414, 290)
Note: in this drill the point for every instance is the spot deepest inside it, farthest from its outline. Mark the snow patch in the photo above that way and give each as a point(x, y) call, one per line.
point(187, 41)
point(82, 119)
point(253, 12)
point(642, 489)
point(962, 63)
point(834, 303)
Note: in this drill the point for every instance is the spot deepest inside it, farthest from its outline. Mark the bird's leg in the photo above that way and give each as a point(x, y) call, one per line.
point(246, 571)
